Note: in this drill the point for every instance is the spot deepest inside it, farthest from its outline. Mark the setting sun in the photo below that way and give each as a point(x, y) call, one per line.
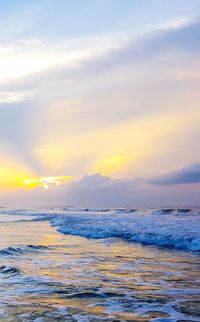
point(46, 182)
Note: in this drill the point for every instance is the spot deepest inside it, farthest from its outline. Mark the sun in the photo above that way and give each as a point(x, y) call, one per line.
point(46, 182)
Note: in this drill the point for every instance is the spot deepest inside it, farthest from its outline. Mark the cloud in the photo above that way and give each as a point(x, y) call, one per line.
point(185, 175)
point(96, 190)
point(95, 97)
point(116, 77)
point(89, 191)
point(12, 97)
point(176, 23)
point(102, 191)
point(106, 53)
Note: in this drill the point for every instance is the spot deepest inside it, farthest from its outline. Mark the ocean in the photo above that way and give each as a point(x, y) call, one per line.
point(70, 264)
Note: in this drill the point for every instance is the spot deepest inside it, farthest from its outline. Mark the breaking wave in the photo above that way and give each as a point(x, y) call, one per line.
point(170, 227)
point(165, 227)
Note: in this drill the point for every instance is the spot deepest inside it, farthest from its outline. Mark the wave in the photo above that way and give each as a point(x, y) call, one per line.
point(177, 229)
point(14, 251)
point(172, 227)
point(150, 238)
point(9, 270)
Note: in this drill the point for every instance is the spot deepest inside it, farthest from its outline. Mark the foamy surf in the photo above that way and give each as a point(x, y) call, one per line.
point(50, 275)
point(177, 228)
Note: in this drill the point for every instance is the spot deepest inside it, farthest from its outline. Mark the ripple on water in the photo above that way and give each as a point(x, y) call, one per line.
point(78, 279)
point(9, 270)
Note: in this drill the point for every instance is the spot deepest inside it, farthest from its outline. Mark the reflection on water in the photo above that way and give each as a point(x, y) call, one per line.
point(78, 279)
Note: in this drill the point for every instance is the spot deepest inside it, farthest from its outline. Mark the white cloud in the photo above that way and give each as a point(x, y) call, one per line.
point(12, 97)
point(29, 56)
point(176, 23)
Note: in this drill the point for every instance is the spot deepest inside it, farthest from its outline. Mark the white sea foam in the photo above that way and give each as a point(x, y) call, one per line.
point(177, 228)
point(72, 278)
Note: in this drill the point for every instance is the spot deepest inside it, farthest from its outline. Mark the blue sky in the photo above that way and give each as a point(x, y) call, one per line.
point(50, 20)
point(103, 92)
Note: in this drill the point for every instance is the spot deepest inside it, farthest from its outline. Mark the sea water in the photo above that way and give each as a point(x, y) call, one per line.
point(69, 264)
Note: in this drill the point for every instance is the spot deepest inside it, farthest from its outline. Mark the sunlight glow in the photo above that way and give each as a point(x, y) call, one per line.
point(46, 182)
point(113, 164)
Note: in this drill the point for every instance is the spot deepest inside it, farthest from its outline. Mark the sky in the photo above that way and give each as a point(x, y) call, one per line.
point(99, 103)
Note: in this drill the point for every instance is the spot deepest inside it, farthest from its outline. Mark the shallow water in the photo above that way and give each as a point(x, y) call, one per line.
point(46, 275)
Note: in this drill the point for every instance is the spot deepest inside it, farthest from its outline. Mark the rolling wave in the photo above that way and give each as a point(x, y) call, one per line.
point(172, 228)
point(14, 251)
